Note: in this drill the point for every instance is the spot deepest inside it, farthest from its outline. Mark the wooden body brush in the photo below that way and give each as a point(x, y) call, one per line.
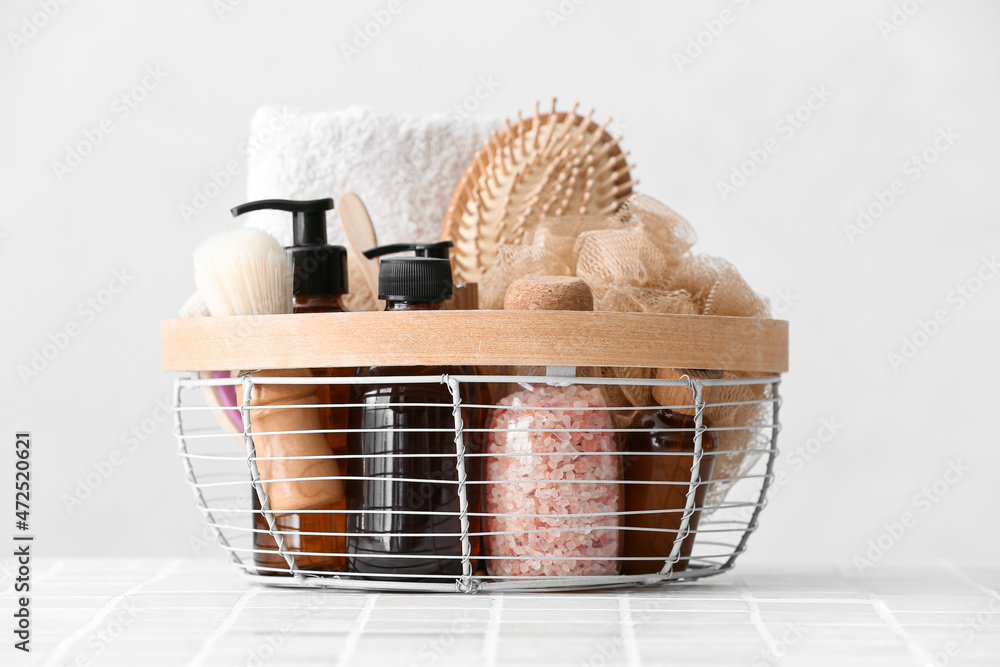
point(360, 234)
point(551, 164)
point(246, 272)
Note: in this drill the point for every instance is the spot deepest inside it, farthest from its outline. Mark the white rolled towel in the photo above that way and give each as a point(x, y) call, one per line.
point(405, 168)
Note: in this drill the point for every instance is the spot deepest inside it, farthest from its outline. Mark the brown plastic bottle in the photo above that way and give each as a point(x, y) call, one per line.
point(328, 518)
point(402, 491)
point(319, 279)
point(664, 456)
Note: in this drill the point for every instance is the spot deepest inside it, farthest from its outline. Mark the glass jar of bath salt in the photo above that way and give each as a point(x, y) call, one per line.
point(552, 492)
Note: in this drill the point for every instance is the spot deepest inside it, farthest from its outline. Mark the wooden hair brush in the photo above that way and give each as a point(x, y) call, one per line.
point(552, 164)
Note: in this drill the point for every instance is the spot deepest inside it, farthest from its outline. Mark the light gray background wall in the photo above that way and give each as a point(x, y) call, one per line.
point(892, 92)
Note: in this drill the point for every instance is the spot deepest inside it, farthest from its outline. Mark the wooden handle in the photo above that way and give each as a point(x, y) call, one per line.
point(288, 497)
point(477, 338)
point(464, 297)
point(360, 235)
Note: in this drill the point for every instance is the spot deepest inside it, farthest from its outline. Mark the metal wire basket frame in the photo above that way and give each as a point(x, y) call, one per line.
point(469, 581)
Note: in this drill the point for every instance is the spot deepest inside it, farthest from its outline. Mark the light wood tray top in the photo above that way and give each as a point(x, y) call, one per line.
point(478, 337)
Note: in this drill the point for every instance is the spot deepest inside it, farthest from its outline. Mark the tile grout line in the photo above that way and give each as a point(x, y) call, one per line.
point(56, 567)
point(961, 574)
point(185, 593)
point(492, 638)
point(357, 630)
point(915, 649)
point(757, 619)
point(64, 646)
point(572, 621)
point(228, 622)
point(632, 656)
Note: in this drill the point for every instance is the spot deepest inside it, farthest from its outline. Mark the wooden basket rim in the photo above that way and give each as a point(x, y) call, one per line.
point(475, 338)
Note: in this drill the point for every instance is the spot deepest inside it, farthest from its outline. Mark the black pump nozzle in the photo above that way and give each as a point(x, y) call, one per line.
point(309, 220)
point(437, 250)
point(318, 268)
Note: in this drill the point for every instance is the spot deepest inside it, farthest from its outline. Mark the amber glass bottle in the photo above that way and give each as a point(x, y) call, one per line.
point(664, 453)
point(402, 490)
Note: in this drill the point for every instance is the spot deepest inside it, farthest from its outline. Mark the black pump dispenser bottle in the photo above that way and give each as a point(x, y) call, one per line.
point(319, 284)
point(320, 269)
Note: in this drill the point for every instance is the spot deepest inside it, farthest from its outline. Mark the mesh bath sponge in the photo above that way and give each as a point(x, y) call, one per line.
point(632, 299)
point(717, 288)
point(559, 235)
point(638, 259)
point(607, 257)
point(663, 226)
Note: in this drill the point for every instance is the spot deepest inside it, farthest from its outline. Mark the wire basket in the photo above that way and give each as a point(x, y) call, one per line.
point(564, 518)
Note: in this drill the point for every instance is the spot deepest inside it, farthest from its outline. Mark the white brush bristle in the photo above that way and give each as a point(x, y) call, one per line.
point(244, 272)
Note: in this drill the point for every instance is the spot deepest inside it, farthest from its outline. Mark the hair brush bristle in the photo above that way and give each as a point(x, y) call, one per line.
point(244, 272)
point(548, 165)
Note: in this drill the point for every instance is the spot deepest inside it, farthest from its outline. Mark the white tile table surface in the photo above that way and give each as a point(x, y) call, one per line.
point(155, 612)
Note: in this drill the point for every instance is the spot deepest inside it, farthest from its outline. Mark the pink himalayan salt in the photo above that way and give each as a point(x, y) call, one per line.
point(557, 456)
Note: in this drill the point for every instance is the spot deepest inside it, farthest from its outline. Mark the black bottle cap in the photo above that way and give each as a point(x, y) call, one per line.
point(424, 278)
point(437, 250)
point(318, 268)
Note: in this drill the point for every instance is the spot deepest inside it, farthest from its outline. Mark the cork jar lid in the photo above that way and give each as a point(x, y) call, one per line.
point(549, 293)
